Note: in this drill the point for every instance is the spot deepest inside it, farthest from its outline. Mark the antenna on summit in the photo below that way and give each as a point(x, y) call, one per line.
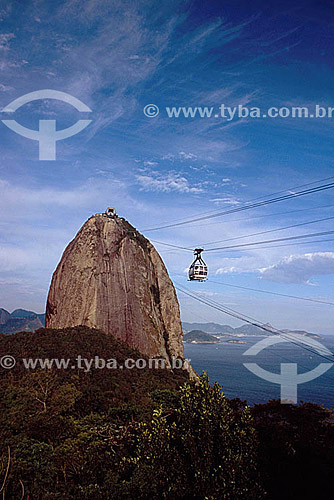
point(111, 212)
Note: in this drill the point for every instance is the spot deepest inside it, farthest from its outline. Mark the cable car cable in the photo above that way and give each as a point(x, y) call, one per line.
point(271, 230)
point(261, 197)
point(262, 247)
point(195, 314)
point(251, 321)
point(237, 315)
point(288, 212)
point(248, 207)
point(279, 246)
point(264, 325)
point(273, 293)
point(241, 246)
point(173, 246)
point(323, 233)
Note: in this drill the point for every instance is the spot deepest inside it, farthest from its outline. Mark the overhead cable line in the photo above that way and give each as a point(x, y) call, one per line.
point(270, 231)
point(288, 212)
point(248, 207)
point(268, 328)
point(323, 233)
point(249, 320)
point(260, 197)
point(253, 244)
point(173, 246)
point(253, 248)
point(272, 293)
point(272, 329)
point(253, 322)
point(283, 245)
point(257, 248)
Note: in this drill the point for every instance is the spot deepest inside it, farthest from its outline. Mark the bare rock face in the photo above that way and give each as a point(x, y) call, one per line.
point(110, 277)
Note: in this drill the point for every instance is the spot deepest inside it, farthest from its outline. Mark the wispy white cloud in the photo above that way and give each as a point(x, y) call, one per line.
point(5, 88)
point(300, 268)
point(5, 39)
point(5, 11)
point(238, 265)
point(18, 202)
point(187, 156)
point(181, 155)
point(150, 163)
point(166, 183)
point(103, 67)
point(226, 200)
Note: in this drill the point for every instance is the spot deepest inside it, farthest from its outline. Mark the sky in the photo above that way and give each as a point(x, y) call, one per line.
point(119, 56)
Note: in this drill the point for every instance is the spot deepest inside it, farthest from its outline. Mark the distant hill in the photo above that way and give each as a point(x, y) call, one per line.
point(200, 337)
point(20, 320)
point(250, 329)
point(303, 333)
point(207, 327)
point(245, 329)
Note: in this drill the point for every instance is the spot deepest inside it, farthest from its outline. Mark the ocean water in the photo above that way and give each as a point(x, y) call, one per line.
point(224, 363)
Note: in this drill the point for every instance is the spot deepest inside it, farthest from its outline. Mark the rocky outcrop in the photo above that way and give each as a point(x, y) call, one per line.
point(111, 278)
point(4, 316)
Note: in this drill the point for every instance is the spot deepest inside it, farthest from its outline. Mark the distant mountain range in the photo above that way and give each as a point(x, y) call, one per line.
point(245, 329)
point(20, 320)
point(207, 327)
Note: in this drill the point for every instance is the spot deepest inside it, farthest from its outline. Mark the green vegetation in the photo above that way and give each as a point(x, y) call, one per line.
point(199, 449)
point(296, 452)
point(122, 434)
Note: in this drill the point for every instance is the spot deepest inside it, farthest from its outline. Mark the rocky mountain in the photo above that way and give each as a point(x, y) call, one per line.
point(111, 278)
point(20, 320)
point(245, 329)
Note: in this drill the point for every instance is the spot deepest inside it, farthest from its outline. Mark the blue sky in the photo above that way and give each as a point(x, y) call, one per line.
point(118, 56)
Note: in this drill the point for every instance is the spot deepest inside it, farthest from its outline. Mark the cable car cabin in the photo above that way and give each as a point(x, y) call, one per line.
point(198, 270)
